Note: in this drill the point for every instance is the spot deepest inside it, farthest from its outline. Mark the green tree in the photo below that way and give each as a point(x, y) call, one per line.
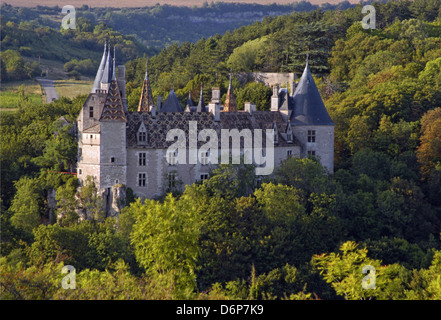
point(60, 152)
point(254, 92)
point(27, 205)
point(165, 243)
point(344, 272)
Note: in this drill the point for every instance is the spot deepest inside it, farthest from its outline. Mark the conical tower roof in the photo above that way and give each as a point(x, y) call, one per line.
point(309, 108)
point(172, 103)
point(99, 73)
point(146, 99)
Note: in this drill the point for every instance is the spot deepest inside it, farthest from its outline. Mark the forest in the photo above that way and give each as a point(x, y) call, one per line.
point(159, 26)
point(299, 234)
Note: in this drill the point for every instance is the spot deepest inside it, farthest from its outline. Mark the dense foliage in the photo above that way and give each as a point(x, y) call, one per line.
point(159, 26)
point(300, 233)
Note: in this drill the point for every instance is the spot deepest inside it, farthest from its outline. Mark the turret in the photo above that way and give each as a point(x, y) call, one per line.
point(146, 103)
point(230, 101)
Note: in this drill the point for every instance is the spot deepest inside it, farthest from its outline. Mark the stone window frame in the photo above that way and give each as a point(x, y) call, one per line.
point(312, 134)
point(142, 159)
point(142, 179)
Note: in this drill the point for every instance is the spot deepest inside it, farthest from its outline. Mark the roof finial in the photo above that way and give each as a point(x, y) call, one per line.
point(229, 86)
point(307, 58)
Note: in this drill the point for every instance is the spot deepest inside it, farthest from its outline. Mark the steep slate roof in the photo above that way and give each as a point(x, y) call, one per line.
point(107, 72)
point(113, 109)
point(163, 122)
point(99, 73)
point(172, 103)
point(309, 108)
point(201, 105)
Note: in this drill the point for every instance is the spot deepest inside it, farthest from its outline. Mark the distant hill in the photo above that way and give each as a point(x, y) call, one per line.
point(142, 3)
point(159, 26)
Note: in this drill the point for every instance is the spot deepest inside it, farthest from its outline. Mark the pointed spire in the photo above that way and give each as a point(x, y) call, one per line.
point(308, 104)
point(99, 73)
point(230, 101)
point(146, 102)
point(189, 100)
point(201, 105)
point(107, 73)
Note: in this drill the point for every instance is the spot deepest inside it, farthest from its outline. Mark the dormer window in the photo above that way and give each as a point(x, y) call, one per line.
point(142, 135)
point(90, 112)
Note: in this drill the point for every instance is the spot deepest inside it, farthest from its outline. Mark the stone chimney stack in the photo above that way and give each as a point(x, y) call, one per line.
point(275, 100)
point(214, 108)
point(250, 107)
point(215, 95)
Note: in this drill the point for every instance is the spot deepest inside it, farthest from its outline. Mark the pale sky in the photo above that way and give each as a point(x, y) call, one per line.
point(144, 3)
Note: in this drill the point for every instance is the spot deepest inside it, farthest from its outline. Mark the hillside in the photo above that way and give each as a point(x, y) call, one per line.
point(159, 26)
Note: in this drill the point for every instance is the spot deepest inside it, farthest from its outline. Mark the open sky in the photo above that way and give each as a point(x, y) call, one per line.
point(144, 3)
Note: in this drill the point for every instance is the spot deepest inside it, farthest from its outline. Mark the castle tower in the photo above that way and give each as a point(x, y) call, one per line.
point(312, 124)
point(146, 100)
point(113, 152)
point(230, 101)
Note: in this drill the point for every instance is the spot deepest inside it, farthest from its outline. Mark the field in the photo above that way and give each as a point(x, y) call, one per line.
point(149, 3)
point(9, 94)
point(72, 88)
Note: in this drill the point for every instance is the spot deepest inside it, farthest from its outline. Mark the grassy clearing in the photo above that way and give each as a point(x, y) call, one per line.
point(72, 88)
point(10, 96)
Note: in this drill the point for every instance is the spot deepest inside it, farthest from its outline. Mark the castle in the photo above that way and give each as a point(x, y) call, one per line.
point(122, 149)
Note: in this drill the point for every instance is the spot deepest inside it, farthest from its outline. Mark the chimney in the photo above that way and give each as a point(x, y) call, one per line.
point(275, 100)
point(215, 95)
point(293, 84)
point(159, 104)
point(250, 107)
point(214, 108)
point(153, 111)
